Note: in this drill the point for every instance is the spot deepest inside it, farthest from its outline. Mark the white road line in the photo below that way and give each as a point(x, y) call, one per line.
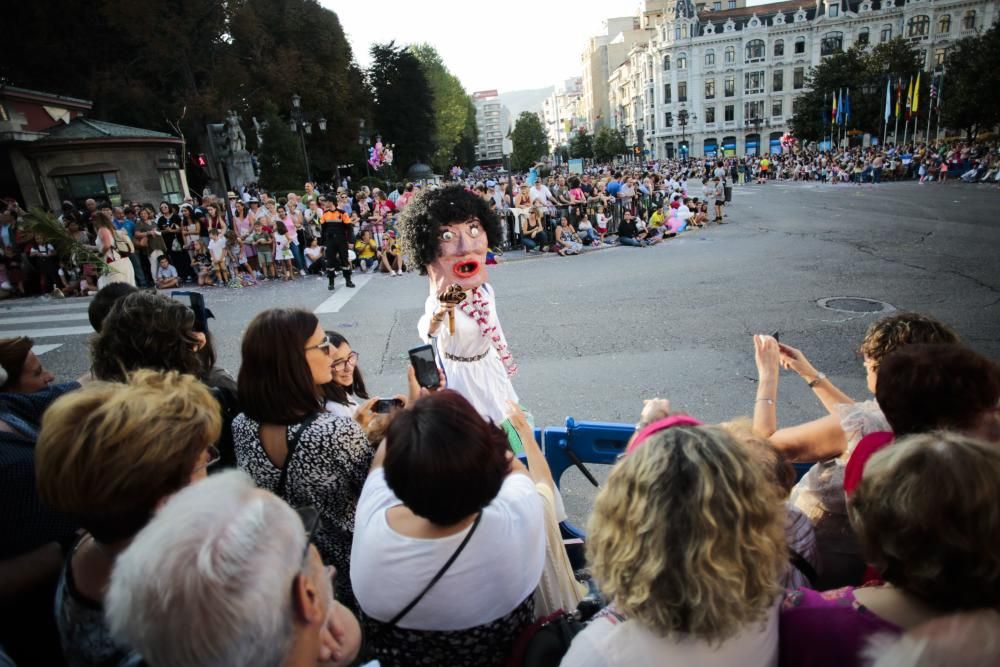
point(39, 350)
point(51, 317)
point(75, 305)
point(339, 299)
point(47, 333)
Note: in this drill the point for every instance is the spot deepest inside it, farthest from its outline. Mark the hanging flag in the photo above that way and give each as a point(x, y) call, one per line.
point(847, 107)
point(888, 99)
point(916, 96)
point(899, 97)
point(833, 110)
point(840, 106)
point(937, 99)
point(909, 98)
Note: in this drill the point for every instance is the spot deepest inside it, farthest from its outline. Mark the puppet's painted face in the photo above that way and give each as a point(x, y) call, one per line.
point(461, 257)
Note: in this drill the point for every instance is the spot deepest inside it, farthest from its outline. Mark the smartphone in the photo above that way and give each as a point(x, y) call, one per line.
point(386, 405)
point(425, 366)
point(777, 336)
point(196, 302)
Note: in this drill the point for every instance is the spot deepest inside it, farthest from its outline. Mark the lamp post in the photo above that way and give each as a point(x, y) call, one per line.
point(300, 122)
point(755, 122)
point(683, 116)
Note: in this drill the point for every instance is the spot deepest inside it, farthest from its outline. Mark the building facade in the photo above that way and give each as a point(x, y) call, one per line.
point(720, 81)
point(493, 123)
point(601, 57)
point(562, 112)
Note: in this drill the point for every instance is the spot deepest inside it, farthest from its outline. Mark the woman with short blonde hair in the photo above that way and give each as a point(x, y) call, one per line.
point(686, 540)
point(107, 456)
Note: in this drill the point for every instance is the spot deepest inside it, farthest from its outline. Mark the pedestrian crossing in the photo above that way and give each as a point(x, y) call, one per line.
point(48, 322)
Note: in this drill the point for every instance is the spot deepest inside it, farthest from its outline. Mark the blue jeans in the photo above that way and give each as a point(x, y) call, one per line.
point(300, 260)
point(628, 240)
point(140, 277)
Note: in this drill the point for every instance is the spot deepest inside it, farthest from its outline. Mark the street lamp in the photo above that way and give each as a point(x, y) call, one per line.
point(755, 122)
point(300, 122)
point(683, 116)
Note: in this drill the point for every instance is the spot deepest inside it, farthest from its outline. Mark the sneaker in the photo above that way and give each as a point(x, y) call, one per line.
point(302, 273)
point(56, 294)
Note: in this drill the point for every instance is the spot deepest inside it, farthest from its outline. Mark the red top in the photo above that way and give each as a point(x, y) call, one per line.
point(869, 444)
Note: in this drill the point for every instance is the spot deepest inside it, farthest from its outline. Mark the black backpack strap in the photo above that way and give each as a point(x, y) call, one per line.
point(406, 610)
point(293, 444)
point(800, 563)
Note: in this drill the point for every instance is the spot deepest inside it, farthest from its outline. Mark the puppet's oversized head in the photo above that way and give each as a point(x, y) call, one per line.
point(446, 234)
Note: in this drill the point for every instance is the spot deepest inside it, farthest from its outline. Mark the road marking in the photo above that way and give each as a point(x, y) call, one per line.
point(57, 317)
point(39, 350)
point(46, 333)
point(339, 299)
point(45, 306)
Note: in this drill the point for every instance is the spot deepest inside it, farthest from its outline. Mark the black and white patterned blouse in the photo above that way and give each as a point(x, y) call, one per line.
point(327, 470)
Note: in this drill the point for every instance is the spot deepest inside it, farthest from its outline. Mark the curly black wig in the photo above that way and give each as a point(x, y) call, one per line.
point(421, 220)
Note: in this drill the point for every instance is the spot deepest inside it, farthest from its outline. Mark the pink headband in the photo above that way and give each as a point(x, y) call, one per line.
point(657, 426)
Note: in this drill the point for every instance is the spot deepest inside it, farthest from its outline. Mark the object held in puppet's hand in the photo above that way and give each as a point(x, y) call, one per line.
point(454, 295)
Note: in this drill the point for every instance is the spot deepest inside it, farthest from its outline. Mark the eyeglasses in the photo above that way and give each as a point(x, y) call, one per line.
point(311, 521)
point(323, 345)
point(214, 456)
point(341, 365)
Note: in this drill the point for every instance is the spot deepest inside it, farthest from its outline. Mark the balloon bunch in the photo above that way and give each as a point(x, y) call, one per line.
point(379, 155)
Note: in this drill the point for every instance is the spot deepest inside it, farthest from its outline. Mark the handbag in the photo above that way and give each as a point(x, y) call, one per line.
point(545, 642)
point(123, 244)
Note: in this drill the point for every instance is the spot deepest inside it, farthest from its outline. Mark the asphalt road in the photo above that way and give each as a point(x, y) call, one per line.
point(597, 333)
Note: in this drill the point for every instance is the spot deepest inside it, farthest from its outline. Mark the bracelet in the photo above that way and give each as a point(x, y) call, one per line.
point(770, 401)
point(816, 380)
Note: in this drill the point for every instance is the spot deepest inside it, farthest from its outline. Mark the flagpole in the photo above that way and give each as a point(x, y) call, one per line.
point(937, 103)
point(885, 116)
point(895, 131)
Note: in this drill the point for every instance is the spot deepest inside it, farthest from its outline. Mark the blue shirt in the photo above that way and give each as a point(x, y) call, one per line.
point(532, 176)
point(613, 187)
point(125, 224)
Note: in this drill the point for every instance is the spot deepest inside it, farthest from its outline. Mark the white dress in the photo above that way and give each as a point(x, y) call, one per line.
point(483, 382)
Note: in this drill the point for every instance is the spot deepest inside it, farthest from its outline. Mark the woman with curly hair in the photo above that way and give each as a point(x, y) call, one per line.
point(446, 234)
point(686, 540)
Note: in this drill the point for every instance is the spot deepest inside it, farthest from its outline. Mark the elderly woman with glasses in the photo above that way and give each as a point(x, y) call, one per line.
point(108, 455)
point(287, 440)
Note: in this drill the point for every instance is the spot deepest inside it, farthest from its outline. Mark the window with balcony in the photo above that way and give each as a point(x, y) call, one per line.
point(709, 114)
point(776, 108)
point(798, 78)
point(717, 6)
point(833, 11)
point(730, 55)
point(682, 91)
point(778, 81)
point(939, 55)
point(795, 105)
point(668, 119)
point(753, 82)
point(666, 63)
point(944, 24)
point(709, 58)
point(969, 20)
point(918, 26)
point(682, 62)
point(753, 110)
point(779, 48)
point(755, 51)
point(730, 113)
point(832, 42)
point(886, 34)
point(730, 86)
point(800, 45)
point(710, 89)
point(666, 93)
point(863, 37)
point(732, 4)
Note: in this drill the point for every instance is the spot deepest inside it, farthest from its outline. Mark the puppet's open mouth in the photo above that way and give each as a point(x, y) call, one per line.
point(466, 269)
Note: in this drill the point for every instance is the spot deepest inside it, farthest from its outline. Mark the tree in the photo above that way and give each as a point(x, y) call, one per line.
point(530, 142)
point(451, 106)
point(581, 145)
point(281, 164)
point(403, 110)
point(608, 143)
point(865, 74)
point(465, 150)
point(970, 99)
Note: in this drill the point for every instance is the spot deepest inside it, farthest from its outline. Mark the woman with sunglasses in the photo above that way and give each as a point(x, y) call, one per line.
point(285, 438)
point(108, 455)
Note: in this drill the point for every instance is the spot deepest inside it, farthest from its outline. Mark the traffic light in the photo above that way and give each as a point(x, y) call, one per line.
point(202, 162)
point(636, 149)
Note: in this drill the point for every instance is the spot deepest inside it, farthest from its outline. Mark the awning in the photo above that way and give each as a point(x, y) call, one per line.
point(73, 169)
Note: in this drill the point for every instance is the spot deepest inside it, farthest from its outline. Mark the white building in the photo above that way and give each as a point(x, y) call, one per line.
point(493, 124)
point(733, 74)
point(562, 112)
point(601, 56)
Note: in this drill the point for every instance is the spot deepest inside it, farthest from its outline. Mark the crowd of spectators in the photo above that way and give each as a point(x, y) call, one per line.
point(159, 512)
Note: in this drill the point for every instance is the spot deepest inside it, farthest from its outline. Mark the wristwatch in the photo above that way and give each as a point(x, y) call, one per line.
point(816, 380)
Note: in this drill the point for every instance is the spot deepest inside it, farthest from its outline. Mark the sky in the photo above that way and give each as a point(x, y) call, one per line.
point(513, 45)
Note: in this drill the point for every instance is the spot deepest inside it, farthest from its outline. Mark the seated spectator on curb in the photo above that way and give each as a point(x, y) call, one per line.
point(923, 388)
point(288, 442)
point(315, 262)
point(927, 519)
point(830, 440)
point(225, 574)
point(685, 539)
point(567, 240)
point(533, 236)
point(107, 455)
point(166, 275)
point(391, 257)
point(450, 541)
point(628, 232)
point(367, 251)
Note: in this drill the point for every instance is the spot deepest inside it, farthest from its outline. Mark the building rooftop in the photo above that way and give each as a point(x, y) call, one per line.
point(88, 128)
point(760, 10)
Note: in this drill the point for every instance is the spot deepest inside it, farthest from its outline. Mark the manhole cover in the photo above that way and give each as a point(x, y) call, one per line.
point(855, 304)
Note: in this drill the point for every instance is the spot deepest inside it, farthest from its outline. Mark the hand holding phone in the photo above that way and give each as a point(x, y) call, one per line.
point(425, 366)
point(386, 405)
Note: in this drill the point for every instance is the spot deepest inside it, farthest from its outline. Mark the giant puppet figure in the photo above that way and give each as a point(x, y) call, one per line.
point(446, 234)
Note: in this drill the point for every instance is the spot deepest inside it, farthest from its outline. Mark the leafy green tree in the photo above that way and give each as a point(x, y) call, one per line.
point(281, 164)
point(608, 143)
point(970, 99)
point(530, 142)
point(451, 106)
point(465, 150)
point(581, 144)
point(865, 74)
point(403, 111)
